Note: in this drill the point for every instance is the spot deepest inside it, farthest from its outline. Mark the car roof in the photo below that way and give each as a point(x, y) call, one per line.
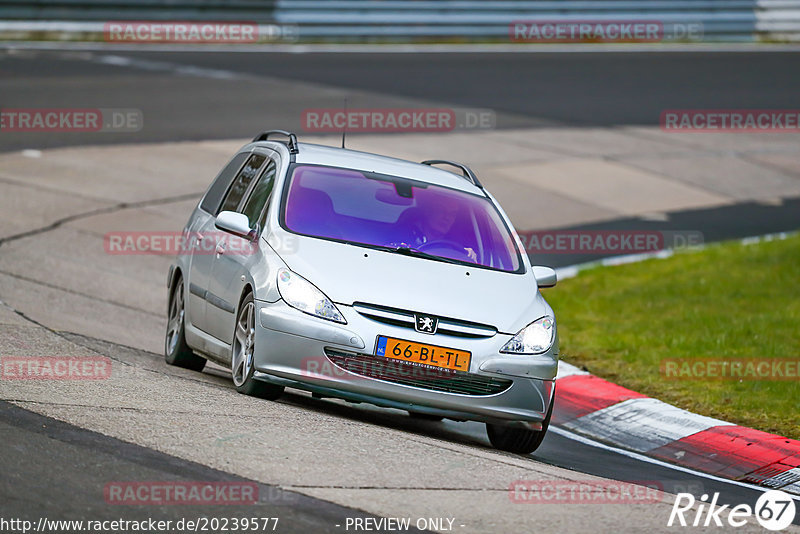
point(365, 161)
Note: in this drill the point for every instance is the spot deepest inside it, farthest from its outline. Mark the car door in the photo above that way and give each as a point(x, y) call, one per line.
point(211, 236)
point(234, 259)
point(200, 248)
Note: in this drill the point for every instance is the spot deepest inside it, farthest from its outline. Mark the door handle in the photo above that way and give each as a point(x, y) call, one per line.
point(220, 249)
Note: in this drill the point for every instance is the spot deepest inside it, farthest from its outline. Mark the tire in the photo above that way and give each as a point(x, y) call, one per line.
point(176, 351)
point(242, 352)
point(519, 440)
point(425, 416)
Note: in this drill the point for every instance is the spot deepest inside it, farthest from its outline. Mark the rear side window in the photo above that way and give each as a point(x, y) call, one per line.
point(242, 182)
point(261, 192)
point(213, 197)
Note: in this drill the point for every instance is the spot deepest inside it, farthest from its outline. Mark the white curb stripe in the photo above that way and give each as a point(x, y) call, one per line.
point(789, 479)
point(642, 424)
point(567, 369)
point(793, 488)
point(647, 459)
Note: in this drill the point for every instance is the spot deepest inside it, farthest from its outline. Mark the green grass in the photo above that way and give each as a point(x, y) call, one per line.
point(726, 301)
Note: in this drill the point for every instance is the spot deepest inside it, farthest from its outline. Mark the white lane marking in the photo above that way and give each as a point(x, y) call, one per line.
point(32, 153)
point(570, 271)
point(114, 60)
point(567, 369)
point(642, 424)
point(165, 66)
point(219, 74)
point(636, 258)
point(642, 458)
point(656, 216)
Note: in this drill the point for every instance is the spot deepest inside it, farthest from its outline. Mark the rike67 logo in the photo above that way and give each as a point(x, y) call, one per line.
point(775, 510)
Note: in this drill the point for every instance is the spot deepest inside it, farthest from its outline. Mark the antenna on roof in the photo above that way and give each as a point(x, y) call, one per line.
point(344, 129)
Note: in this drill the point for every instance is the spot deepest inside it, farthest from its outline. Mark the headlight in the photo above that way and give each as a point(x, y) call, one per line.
point(301, 294)
point(535, 338)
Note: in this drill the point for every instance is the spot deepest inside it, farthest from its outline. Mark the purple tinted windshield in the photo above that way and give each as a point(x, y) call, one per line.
point(385, 211)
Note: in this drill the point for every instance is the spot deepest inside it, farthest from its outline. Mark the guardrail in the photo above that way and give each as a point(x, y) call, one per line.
point(471, 20)
point(433, 21)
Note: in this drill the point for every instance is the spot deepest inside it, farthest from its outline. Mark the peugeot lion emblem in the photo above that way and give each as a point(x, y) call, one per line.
point(425, 324)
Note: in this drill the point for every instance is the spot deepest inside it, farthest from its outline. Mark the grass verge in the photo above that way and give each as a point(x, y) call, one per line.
point(728, 301)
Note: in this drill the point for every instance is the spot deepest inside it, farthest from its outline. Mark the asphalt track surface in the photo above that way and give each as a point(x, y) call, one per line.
point(90, 459)
point(56, 470)
point(250, 91)
point(214, 95)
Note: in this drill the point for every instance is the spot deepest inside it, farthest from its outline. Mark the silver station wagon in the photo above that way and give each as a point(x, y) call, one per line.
point(366, 278)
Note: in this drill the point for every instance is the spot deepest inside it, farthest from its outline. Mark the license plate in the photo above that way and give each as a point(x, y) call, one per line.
point(423, 354)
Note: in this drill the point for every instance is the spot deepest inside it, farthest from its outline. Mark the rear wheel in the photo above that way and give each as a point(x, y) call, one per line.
point(242, 367)
point(176, 351)
point(518, 440)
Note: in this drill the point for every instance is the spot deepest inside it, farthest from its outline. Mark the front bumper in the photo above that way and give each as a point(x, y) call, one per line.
point(291, 351)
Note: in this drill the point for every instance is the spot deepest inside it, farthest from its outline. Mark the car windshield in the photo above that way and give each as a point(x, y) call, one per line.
point(398, 214)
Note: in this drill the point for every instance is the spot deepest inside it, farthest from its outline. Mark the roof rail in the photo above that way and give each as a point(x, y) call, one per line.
point(466, 171)
point(291, 143)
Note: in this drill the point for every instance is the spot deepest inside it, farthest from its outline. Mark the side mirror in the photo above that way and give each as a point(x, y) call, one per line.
point(545, 276)
point(234, 223)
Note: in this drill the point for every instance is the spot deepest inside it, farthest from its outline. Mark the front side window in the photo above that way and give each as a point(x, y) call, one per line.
point(399, 214)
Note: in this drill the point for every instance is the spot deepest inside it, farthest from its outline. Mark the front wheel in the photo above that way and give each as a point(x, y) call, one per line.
point(176, 351)
point(242, 366)
point(519, 440)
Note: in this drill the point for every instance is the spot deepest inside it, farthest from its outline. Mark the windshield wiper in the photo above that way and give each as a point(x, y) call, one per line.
point(414, 253)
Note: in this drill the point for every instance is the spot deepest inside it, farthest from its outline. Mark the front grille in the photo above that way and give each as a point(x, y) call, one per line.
point(405, 318)
point(423, 377)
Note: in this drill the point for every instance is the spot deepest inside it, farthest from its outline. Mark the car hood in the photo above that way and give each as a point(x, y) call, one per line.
point(349, 274)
